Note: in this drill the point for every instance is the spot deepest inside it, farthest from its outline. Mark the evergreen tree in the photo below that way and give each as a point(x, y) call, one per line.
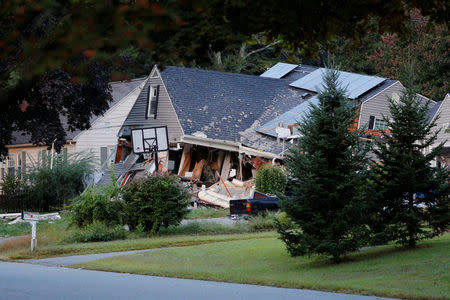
point(328, 171)
point(412, 199)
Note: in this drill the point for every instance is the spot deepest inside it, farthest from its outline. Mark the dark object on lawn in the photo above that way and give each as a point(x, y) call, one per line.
point(257, 204)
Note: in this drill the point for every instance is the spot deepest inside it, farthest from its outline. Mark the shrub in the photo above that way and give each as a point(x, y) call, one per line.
point(263, 221)
point(12, 185)
point(155, 202)
point(291, 235)
point(53, 187)
point(98, 205)
point(270, 180)
point(98, 232)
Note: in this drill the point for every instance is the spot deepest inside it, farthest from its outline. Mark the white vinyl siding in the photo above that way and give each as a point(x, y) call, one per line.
point(104, 131)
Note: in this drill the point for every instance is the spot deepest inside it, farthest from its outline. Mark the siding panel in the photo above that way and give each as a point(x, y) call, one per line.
point(378, 105)
point(166, 115)
point(104, 131)
point(444, 118)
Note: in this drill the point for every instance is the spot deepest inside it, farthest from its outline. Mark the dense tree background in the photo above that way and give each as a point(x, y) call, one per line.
point(425, 49)
point(56, 56)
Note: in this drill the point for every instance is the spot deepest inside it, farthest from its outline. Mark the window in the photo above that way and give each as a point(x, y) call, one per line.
point(19, 164)
point(107, 126)
point(11, 165)
point(2, 165)
point(103, 154)
point(381, 124)
point(446, 127)
point(152, 105)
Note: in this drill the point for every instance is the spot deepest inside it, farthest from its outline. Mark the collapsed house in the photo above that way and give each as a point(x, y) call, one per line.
point(222, 127)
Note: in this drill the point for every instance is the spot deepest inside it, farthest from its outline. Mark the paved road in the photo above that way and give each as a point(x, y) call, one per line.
point(21, 281)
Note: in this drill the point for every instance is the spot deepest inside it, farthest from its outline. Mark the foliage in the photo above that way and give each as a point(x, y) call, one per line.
point(263, 221)
point(271, 180)
point(7, 230)
point(98, 232)
point(426, 49)
point(290, 234)
point(206, 213)
point(12, 185)
point(410, 196)
point(154, 202)
point(53, 186)
point(328, 168)
point(204, 228)
point(53, 70)
point(98, 204)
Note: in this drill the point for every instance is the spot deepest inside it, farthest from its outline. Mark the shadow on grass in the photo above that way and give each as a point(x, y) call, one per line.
point(371, 253)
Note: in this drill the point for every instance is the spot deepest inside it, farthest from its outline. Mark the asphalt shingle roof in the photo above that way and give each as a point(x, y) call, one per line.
point(433, 110)
point(228, 106)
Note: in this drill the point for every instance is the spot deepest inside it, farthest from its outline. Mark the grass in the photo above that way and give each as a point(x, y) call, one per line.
point(57, 238)
point(383, 271)
point(14, 229)
point(51, 250)
point(207, 213)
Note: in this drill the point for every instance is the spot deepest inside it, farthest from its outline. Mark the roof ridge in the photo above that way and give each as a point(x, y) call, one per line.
point(125, 81)
point(224, 73)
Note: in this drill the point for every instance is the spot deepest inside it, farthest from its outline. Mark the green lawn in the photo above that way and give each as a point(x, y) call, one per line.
point(19, 249)
point(206, 213)
point(383, 271)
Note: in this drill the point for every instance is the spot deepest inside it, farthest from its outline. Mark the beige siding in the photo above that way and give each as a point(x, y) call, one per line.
point(378, 105)
point(166, 115)
point(104, 131)
point(32, 155)
point(443, 122)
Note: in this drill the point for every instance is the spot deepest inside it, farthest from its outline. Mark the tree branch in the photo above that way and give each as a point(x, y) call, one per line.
point(263, 48)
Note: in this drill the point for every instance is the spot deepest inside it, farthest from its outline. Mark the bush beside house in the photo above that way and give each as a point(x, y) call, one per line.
point(271, 180)
point(155, 202)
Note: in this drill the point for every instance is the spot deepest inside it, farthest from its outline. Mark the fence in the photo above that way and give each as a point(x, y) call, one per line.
point(15, 203)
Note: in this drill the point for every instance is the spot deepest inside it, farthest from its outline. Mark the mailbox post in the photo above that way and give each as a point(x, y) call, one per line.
point(33, 218)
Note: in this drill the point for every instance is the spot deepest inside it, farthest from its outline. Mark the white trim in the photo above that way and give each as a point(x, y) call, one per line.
point(170, 99)
point(440, 107)
point(384, 90)
point(140, 86)
point(359, 117)
point(362, 103)
point(153, 71)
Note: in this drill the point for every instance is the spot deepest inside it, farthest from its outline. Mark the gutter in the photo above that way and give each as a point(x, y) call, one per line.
point(226, 145)
point(30, 145)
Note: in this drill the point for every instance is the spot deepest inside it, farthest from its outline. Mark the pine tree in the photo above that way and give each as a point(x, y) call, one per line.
point(328, 171)
point(412, 197)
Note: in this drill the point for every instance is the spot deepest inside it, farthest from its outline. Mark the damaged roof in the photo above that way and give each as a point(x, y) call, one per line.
point(228, 106)
point(119, 89)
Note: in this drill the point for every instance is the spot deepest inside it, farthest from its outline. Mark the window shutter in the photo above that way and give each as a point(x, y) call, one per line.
point(103, 154)
point(152, 103)
point(156, 101)
point(371, 122)
point(24, 162)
